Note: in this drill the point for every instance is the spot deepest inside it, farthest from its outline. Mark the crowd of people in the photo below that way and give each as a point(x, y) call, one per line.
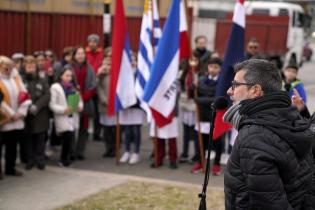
point(49, 102)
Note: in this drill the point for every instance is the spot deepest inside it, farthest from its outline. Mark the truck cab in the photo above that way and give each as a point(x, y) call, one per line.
point(297, 22)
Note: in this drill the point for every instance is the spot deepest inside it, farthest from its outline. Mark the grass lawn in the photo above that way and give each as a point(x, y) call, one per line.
point(148, 196)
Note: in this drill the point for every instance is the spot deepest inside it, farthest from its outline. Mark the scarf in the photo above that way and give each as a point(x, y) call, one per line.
point(68, 88)
point(233, 116)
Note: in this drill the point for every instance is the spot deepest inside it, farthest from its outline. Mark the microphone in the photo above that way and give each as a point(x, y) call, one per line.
point(220, 103)
point(218, 106)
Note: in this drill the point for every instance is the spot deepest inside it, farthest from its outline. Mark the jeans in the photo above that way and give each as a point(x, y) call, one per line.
point(132, 134)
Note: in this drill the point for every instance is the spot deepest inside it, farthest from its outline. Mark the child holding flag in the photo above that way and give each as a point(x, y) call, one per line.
point(132, 118)
point(206, 93)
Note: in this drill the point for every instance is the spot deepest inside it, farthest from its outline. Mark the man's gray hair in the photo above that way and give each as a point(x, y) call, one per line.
point(261, 72)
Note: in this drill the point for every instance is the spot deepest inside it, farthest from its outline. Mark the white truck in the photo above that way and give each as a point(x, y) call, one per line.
point(270, 17)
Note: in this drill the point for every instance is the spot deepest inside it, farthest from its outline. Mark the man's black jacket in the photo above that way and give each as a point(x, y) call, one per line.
point(271, 165)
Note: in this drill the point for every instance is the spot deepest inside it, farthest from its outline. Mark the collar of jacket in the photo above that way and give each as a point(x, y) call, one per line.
point(273, 100)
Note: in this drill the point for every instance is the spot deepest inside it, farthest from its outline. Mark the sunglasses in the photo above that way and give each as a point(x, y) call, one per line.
point(235, 84)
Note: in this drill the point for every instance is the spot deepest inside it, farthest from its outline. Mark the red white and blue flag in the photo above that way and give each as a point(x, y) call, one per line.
point(234, 52)
point(122, 82)
point(161, 89)
point(149, 36)
point(185, 50)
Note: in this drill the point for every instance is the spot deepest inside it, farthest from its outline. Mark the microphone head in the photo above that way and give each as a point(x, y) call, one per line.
point(220, 102)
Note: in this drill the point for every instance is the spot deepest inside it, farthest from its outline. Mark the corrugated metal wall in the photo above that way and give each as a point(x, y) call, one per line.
point(54, 31)
point(47, 31)
point(12, 32)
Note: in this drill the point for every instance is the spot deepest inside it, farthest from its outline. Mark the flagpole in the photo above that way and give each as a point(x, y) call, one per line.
point(201, 147)
point(117, 139)
point(155, 138)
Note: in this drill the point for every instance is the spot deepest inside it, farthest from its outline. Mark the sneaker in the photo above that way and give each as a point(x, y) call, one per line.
point(216, 170)
point(29, 166)
point(64, 164)
point(197, 168)
point(41, 166)
point(80, 157)
point(183, 159)
point(173, 165)
point(194, 159)
point(109, 154)
point(125, 157)
point(134, 159)
point(15, 173)
point(154, 166)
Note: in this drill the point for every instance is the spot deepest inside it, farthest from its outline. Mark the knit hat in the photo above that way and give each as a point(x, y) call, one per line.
point(94, 37)
point(17, 56)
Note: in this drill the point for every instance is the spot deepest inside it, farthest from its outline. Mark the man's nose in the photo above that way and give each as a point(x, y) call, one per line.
point(230, 91)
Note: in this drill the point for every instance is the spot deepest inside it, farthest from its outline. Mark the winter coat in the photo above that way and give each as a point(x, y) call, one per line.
point(296, 84)
point(87, 86)
point(271, 165)
point(95, 59)
point(38, 90)
point(12, 87)
point(206, 94)
point(102, 93)
point(58, 104)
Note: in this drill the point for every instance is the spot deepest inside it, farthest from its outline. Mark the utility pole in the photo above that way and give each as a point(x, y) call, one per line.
point(107, 23)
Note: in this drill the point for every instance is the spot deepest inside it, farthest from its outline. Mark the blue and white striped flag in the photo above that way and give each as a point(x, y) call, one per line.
point(150, 32)
point(157, 32)
point(161, 89)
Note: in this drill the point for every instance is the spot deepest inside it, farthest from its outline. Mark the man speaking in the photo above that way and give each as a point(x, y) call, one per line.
point(271, 164)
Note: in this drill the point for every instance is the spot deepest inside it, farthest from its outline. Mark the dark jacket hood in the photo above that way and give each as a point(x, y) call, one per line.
point(274, 111)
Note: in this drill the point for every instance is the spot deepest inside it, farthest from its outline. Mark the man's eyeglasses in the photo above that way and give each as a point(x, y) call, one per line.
point(235, 84)
point(253, 47)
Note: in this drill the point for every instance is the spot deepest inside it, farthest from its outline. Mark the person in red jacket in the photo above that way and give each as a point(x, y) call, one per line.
point(94, 53)
point(95, 56)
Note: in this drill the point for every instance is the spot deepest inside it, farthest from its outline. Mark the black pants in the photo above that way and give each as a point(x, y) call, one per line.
point(110, 138)
point(35, 147)
point(215, 144)
point(9, 141)
point(67, 140)
point(82, 139)
point(188, 134)
point(54, 138)
point(97, 125)
point(22, 145)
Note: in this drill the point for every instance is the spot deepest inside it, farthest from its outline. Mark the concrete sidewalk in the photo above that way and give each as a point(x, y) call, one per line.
point(56, 187)
point(52, 188)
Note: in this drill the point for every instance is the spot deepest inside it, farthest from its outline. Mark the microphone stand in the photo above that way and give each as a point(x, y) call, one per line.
point(202, 195)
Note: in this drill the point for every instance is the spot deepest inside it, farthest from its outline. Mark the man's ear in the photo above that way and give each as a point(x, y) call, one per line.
point(257, 91)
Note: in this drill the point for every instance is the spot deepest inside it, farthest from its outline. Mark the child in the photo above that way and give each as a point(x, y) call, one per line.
point(132, 118)
point(290, 82)
point(206, 94)
point(188, 108)
point(66, 119)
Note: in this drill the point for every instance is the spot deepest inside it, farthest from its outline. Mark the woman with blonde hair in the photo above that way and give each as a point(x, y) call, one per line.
point(15, 104)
